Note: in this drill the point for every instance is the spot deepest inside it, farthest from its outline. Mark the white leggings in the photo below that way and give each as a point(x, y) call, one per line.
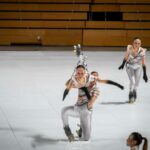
point(85, 118)
point(134, 76)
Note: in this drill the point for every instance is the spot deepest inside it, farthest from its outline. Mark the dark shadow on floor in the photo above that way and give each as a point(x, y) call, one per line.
point(39, 140)
point(113, 103)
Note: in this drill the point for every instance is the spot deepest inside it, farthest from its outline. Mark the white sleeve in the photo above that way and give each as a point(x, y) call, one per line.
point(143, 52)
point(129, 49)
point(91, 78)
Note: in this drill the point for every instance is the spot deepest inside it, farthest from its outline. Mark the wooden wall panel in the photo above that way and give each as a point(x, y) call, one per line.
point(44, 7)
point(133, 1)
point(47, 1)
point(117, 25)
point(135, 8)
point(66, 22)
point(136, 16)
point(104, 37)
point(105, 24)
point(62, 37)
point(144, 35)
point(105, 1)
point(41, 24)
point(122, 1)
point(137, 25)
point(103, 8)
point(114, 37)
point(48, 36)
point(44, 15)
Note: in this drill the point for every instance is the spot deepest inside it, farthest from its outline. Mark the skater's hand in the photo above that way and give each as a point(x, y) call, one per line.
point(115, 83)
point(144, 74)
point(145, 78)
point(65, 93)
point(121, 67)
point(90, 104)
point(121, 87)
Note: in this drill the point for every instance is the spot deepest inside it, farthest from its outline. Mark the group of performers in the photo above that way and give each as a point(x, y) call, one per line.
point(88, 92)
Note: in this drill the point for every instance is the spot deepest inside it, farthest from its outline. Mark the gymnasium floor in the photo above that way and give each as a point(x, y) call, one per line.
point(31, 88)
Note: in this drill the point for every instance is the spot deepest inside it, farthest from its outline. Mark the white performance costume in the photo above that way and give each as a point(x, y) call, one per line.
point(134, 66)
point(80, 109)
point(135, 148)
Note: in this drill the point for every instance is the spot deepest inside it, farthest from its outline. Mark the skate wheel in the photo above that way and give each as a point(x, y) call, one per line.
point(71, 138)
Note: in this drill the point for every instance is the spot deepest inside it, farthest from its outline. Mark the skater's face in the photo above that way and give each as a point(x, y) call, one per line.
point(95, 74)
point(136, 43)
point(130, 141)
point(80, 72)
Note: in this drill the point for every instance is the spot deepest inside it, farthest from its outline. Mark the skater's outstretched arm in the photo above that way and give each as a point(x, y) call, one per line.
point(116, 84)
point(110, 82)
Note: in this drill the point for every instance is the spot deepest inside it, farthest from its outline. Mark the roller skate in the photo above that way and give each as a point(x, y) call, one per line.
point(134, 95)
point(79, 132)
point(69, 134)
point(131, 98)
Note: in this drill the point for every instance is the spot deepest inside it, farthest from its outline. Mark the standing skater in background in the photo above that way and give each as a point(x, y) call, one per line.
point(135, 140)
point(88, 92)
point(135, 61)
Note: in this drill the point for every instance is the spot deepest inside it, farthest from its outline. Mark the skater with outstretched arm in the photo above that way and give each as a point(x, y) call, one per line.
point(88, 93)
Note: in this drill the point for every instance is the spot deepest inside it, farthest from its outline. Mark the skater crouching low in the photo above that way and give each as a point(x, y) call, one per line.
point(88, 93)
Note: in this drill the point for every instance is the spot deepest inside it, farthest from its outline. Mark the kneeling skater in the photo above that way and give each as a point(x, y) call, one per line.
point(87, 94)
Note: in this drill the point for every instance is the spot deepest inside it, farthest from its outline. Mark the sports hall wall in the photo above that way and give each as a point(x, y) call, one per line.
point(68, 22)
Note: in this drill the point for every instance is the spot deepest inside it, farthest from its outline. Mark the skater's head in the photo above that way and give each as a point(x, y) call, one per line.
point(136, 43)
point(95, 73)
point(80, 71)
point(80, 66)
point(135, 139)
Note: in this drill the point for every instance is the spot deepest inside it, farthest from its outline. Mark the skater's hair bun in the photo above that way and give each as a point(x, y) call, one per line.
point(135, 38)
point(94, 72)
point(80, 66)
